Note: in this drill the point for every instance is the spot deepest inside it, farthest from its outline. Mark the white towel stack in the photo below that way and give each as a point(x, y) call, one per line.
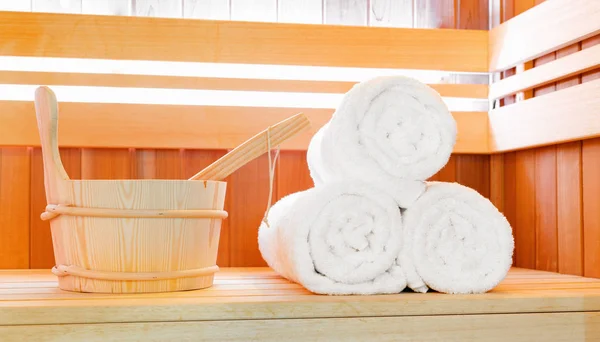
point(373, 224)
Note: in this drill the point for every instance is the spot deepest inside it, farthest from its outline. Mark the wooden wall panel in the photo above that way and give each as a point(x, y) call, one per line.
point(14, 207)
point(591, 207)
point(554, 213)
point(30, 245)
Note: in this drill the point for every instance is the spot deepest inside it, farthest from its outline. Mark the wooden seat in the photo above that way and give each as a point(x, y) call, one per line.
point(256, 304)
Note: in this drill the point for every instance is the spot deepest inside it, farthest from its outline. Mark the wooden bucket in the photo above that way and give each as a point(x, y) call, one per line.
point(127, 236)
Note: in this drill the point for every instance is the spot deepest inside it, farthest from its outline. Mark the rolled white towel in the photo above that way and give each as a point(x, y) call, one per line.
point(456, 241)
point(389, 128)
point(340, 238)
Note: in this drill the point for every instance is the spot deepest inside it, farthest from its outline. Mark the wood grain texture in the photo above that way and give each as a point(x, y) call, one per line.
point(41, 248)
point(564, 70)
point(248, 197)
point(293, 174)
point(386, 13)
point(346, 12)
point(207, 9)
point(256, 303)
point(586, 44)
point(525, 216)
point(15, 166)
point(101, 163)
point(300, 11)
point(220, 127)
point(241, 42)
point(56, 6)
point(497, 185)
point(435, 14)
point(465, 90)
point(518, 40)
point(448, 172)
point(254, 10)
point(546, 231)
point(474, 171)
point(510, 199)
point(196, 160)
point(107, 7)
point(12, 5)
point(569, 208)
point(580, 102)
point(591, 207)
point(473, 14)
point(158, 8)
point(523, 328)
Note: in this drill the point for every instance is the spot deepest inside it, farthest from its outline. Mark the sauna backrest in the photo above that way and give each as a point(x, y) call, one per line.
point(180, 83)
point(567, 114)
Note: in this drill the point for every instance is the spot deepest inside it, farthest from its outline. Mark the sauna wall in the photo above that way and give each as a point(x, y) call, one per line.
point(25, 240)
point(551, 195)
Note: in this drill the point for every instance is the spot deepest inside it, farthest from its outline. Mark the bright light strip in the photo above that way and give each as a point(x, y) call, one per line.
point(158, 96)
point(218, 70)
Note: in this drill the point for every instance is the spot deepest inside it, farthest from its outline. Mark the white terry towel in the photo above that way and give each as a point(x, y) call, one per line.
point(455, 241)
point(387, 128)
point(341, 238)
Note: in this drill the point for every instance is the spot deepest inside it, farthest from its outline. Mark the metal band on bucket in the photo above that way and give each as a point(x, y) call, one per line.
point(53, 210)
point(64, 270)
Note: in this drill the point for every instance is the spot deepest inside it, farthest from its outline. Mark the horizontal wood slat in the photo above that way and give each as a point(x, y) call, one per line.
point(547, 27)
point(564, 67)
point(566, 115)
point(169, 126)
point(31, 297)
point(475, 91)
point(167, 39)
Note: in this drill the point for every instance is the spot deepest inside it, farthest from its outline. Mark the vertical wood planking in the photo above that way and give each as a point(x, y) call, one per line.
point(254, 10)
point(546, 238)
point(591, 207)
point(158, 8)
point(41, 250)
point(206, 9)
point(447, 173)
point(15, 178)
point(510, 197)
point(158, 164)
point(194, 161)
point(300, 11)
point(100, 163)
point(248, 197)
point(569, 208)
point(106, 7)
point(474, 171)
point(525, 218)
point(473, 14)
point(386, 13)
point(14, 5)
point(497, 180)
point(435, 14)
point(56, 6)
point(346, 12)
point(292, 173)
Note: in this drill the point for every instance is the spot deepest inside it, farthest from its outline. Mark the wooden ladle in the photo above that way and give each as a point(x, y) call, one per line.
point(253, 148)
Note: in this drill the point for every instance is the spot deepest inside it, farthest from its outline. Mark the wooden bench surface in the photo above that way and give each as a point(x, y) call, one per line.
point(247, 303)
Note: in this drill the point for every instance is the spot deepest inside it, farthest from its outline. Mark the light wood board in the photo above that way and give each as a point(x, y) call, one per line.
point(249, 303)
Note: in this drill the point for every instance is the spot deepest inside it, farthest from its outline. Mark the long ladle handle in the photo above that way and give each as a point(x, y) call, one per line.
point(253, 148)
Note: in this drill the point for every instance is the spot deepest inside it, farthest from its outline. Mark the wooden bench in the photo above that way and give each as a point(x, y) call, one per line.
point(255, 304)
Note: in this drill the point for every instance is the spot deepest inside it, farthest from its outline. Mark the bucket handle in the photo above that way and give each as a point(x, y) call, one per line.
point(55, 176)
